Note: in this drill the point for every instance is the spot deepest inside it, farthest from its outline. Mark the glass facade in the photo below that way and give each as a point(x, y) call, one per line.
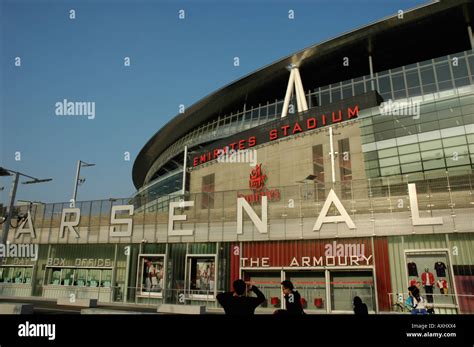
point(439, 139)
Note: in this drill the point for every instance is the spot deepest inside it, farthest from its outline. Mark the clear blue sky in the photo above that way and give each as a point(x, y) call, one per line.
point(172, 62)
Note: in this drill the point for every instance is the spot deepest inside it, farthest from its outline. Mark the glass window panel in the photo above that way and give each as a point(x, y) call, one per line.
point(392, 170)
point(371, 155)
point(398, 82)
point(434, 164)
point(445, 85)
point(460, 70)
point(410, 158)
point(372, 164)
point(430, 126)
point(336, 94)
point(271, 110)
point(459, 82)
point(312, 288)
point(429, 88)
point(400, 94)
point(408, 149)
point(373, 173)
point(325, 97)
point(442, 72)
point(413, 79)
point(389, 161)
point(389, 152)
point(359, 88)
point(347, 91)
point(406, 130)
point(434, 154)
point(427, 75)
point(413, 167)
point(385, 135)
point(456, 160)
point(384, 85)
point(346, 285)
point(449, 113)
point(455, 151)
point(414, 91)
point(429, 145)
point(454, 141)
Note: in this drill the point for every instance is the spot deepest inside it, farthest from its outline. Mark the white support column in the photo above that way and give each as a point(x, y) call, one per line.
point(471, 39)
point(289, 91)
point(297, 92)
point(333, 170)
point(296, 83)
point(371, 68)
point(299, 86)
point(184, 169)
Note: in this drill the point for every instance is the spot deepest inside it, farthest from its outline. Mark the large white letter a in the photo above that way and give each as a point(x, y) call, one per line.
point(343, 217)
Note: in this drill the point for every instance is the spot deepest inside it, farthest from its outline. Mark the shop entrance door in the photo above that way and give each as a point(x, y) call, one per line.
point(345, 285)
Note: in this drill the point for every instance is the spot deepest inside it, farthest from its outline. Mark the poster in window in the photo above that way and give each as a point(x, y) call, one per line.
point(202, 275)
point(152, 275)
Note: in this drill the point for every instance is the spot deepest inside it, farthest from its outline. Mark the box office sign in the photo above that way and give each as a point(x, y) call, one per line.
point(260, 222)
point(80, 262)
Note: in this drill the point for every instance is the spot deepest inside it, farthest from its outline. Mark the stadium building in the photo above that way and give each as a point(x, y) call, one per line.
point(346, 167)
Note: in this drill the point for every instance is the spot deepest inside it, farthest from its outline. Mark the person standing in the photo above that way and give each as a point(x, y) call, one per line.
point(359, 307)
point(236, 303)
point(292, 298)
point(415, 302)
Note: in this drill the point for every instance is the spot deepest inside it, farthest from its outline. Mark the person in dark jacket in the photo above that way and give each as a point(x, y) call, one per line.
point(237, 303)
point(359, 307)
point(292, 298)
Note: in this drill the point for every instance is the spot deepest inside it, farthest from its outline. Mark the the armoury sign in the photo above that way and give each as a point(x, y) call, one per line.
point(330, 254)
point(71, 217)
point(315, 118)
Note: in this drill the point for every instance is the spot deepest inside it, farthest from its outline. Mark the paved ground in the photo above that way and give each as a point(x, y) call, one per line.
point(42, 306)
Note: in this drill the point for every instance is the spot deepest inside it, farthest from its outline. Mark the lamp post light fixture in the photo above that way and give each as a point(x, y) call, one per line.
point(78, 180)
point(9, 214)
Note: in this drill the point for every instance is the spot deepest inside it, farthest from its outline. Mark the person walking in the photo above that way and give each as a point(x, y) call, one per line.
point(236, 303)
point(359, 307)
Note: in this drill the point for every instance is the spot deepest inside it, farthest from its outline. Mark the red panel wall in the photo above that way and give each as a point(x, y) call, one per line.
point(382, 269)
point(235, 252)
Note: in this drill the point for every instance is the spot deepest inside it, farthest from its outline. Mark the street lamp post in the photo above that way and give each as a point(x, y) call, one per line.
point(7, 221)
point(80, 164)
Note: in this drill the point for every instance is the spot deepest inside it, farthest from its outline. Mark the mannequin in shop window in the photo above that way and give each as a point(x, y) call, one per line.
point(428, 281)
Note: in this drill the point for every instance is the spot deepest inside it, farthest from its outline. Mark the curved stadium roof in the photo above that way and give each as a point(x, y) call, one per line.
point(428, 31)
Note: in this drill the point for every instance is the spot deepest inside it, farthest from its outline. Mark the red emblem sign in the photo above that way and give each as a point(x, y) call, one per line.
point(257, 178)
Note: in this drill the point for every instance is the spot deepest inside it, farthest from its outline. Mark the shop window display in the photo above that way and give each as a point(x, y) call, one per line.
point(435, 278)
point(201, 276)
point(151, 275)
point(347, 285)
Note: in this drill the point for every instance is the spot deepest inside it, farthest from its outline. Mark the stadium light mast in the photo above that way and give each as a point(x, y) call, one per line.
point(80, 164)
point(7, 172)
